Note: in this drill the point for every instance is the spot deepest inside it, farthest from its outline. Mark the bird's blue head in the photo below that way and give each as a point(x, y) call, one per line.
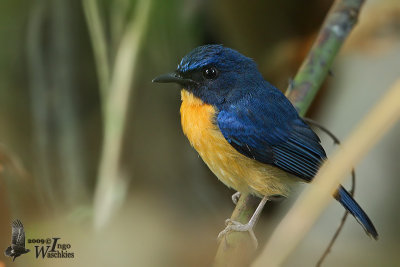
point(217, 75)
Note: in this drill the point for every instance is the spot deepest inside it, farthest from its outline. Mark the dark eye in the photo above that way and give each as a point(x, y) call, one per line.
point(210, 73)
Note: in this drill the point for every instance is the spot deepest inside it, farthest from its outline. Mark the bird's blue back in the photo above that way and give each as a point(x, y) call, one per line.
point(264, 125)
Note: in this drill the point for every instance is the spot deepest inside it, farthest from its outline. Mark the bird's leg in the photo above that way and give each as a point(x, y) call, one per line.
point(235, 197)
point(248, 227)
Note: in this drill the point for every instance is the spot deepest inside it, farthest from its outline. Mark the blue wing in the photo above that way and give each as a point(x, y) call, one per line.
point(266, 127)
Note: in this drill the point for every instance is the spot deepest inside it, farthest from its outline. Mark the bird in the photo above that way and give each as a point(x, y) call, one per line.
point(17, 247)
point(246, 130)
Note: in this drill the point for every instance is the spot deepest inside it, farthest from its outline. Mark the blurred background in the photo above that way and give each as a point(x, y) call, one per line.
point(92, 152)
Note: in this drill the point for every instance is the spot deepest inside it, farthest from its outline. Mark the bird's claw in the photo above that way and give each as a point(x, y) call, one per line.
point(238, 227)
point(235, 197)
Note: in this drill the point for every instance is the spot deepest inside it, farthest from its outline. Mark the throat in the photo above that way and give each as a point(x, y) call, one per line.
point(197, 119)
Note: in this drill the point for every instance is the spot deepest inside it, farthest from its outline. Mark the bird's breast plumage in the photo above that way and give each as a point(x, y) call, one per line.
point(231, 167)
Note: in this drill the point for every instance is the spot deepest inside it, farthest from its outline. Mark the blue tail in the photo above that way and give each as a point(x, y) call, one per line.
point(352, 206)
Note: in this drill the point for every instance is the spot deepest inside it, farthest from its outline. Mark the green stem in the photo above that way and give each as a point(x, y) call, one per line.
point(99, 42)
point(111, 185)
point(340, 20)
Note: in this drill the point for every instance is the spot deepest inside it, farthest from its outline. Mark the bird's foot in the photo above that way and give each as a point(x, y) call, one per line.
point(239, 227)
point(235, 197)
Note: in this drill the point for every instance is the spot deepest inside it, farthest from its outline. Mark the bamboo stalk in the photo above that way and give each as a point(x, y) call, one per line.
point(317, 196)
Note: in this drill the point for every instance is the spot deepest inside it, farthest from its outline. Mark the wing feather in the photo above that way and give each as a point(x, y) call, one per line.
point(267, 128)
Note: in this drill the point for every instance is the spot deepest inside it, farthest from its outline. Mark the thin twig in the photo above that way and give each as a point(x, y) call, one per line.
point(336, 140)
point(352, 190)
point(339, 229)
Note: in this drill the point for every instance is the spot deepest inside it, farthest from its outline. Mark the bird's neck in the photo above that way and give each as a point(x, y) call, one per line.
point(190, 99)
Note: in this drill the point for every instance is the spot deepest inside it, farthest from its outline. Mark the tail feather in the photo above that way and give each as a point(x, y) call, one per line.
point(352, 206)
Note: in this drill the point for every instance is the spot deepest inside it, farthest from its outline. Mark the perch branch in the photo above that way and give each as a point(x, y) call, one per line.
point(336, 27)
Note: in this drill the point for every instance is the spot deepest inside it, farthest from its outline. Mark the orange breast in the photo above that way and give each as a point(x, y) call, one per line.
point(232, 168)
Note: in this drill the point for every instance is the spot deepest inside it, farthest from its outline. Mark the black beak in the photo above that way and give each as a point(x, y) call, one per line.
point(172, 78)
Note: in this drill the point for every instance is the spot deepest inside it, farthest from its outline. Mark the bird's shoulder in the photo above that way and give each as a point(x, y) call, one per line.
point(260, 113)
